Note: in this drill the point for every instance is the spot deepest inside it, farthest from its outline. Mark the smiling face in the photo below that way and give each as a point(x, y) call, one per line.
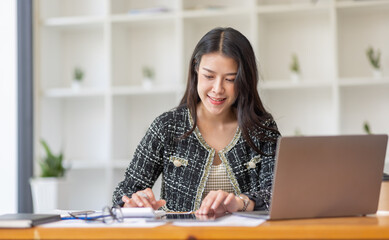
point(216, 88)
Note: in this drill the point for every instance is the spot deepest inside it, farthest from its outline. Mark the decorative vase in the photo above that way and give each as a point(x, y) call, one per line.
point(377, 73)
point(48, 194)
point(76, 85)
point(295, 77)
point(147, 83)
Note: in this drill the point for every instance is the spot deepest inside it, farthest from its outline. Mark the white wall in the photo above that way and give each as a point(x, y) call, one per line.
point(8, 107)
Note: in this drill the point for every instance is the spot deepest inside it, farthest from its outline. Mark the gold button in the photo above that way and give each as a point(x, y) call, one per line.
point(177, 163)
point(251, 165)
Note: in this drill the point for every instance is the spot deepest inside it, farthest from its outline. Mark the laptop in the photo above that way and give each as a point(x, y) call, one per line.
point(326, 176)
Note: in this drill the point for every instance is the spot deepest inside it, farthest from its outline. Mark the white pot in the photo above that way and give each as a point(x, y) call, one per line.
point(147, 83)
point(76, 85)
point(49, 194)
point(377, 73)
point(295, 77)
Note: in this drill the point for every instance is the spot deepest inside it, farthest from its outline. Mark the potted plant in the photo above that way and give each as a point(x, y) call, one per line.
point(374, 58)
point(294, 68)
point(148, 77)
point(78, 76)
point(49, 189)
point(366, 127)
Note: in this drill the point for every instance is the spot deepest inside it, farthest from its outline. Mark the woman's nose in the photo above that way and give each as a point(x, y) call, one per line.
point(218, 86)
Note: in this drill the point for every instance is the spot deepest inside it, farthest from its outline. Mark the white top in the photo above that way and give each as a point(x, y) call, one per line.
point(218, 180)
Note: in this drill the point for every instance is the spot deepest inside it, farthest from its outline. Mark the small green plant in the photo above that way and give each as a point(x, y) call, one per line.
point(366, 127)
point(148, 72)
point(295, 66)
point(52, 165)
point(374, 57)
point(78, 74)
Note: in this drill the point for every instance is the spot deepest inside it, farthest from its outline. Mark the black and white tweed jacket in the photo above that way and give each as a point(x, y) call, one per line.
point(185, 164)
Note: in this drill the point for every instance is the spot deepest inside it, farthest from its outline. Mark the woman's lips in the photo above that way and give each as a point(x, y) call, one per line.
point(216, 101)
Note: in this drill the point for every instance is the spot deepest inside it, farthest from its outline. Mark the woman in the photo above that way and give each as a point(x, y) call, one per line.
point(216, 149)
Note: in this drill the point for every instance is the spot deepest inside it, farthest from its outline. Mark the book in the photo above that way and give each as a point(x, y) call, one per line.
point(26, 220)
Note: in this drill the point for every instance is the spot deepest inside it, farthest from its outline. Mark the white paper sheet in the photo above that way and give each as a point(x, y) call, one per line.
point(231, 220)
point(127, 212)
point(127, 223)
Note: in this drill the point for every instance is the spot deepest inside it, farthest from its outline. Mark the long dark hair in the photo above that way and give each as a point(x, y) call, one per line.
point(251, 113)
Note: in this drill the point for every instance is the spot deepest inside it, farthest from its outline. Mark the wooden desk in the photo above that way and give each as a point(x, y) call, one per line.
point(372, 227)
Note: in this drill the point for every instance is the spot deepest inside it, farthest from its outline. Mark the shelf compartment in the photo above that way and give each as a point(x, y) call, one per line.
point(131, 121)
point(75, 22)
point(351, 82)
point(70, 93)
point(352, 4)
point(144, 7)
point(214, 5)
point(71, 8)
point(225, 12)
point(308, 35)
point(131, 91)
point(75, 126)
point(62, 50)
point(159, 52)
point(358, 29)
point(288, 84)
point(301, 111)
point(83, 194)
point(82, 164)
point(123, 18)
point(364, 103)
point(291, 6)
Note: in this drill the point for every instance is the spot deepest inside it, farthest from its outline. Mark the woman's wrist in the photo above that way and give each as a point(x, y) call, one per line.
point(246, 202)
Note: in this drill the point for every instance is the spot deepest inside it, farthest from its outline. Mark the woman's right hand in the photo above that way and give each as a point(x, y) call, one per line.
point(143, 198)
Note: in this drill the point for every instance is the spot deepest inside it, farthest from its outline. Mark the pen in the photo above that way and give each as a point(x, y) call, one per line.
point(91, 218)
point(80, 215)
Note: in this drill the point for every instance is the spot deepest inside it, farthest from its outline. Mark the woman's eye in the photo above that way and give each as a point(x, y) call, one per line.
point(208, 76)
point(230, 79)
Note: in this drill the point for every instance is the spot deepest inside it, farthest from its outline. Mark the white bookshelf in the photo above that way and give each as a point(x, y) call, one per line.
point(99, 126)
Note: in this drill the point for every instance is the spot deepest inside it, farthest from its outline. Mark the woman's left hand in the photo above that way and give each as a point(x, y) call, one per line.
point(220, 202)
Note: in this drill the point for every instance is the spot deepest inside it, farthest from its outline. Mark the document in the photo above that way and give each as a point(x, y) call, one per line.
point(127, 223)
point(133, 217)
point(227, 221)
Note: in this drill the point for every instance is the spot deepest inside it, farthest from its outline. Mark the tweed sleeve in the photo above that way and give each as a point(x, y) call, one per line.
point(146, 165)
point(262, 197)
